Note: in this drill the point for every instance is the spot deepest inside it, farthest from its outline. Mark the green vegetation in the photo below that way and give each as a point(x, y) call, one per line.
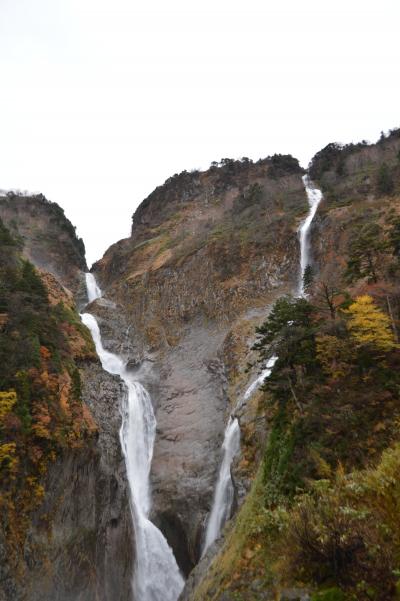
point(332, 157)
point(283, 164)
point(331, 467)
point(349, 173)
point(328, 488)
point(41, 410)
point(365, 250)
point(371, 250)
point(385, 183)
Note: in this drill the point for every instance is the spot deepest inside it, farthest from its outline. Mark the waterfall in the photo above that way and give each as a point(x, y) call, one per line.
point(314, 197)
point(224, 491)
point(157, 576)
point(93, 290)
point(223, 495)
point(259, 381)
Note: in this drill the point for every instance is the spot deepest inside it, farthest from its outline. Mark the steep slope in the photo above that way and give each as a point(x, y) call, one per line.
point(65, 522)
point(48, 238)
point(208, 254)
point(320, 521)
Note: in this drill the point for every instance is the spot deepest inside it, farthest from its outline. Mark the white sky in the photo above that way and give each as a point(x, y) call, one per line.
point(101, 101)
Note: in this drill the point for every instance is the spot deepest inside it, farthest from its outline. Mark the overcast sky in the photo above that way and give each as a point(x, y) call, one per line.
point(101, 101)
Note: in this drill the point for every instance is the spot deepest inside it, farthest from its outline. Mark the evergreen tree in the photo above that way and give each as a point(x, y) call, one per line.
point(394, 237)
point(385, 184)
point(365, 253)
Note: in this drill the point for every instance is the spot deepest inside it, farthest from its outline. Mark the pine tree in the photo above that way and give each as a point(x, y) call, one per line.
point(394, 238)
point(384, 182)
point(365, 253)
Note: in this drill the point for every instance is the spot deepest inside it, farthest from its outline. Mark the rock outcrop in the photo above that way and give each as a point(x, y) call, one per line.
point(79, 544)
point(47, 236)
point(208, 254)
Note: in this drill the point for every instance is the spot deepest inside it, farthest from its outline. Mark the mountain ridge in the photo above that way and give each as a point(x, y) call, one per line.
point(210, 254)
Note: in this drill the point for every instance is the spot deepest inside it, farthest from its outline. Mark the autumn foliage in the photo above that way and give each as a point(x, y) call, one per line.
point(41, 409)
point(333, 401)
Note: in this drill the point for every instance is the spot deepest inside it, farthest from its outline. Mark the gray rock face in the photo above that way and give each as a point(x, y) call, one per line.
point(188, 388)
point(192, 407)
point(80, 544)
point(49, 239)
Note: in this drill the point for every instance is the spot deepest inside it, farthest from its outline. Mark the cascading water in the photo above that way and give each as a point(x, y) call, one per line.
point(157, 576)
point(224, 491)
point(314, 197)
point(93, 290)
point(223, 495)
point(264, 374)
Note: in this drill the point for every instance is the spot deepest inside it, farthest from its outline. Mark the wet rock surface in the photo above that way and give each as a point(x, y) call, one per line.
point(80, 545)
point(192, 408)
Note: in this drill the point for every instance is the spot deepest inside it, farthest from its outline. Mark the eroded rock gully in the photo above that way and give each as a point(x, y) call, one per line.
point(182, 298)
point(208, 255)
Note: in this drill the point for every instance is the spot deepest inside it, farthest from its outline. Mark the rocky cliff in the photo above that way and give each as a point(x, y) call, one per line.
point(208, 254)
point(48, 237)
point(66, 529)
point(310, 526)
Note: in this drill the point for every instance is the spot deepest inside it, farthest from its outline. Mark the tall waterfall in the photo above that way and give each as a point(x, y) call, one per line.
point(314, 197)
point(157, 576)
point(223, 495)
point(224, 491)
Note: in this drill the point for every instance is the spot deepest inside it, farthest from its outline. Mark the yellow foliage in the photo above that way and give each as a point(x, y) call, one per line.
point(8, 458)
point(334, 356)
point(369, 326)
point(7, 402)
point(36, 489)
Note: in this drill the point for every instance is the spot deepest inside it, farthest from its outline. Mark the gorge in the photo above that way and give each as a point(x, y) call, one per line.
point(156, 574)
point(164, 446)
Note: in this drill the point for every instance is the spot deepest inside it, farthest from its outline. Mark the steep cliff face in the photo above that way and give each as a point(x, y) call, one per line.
point(48, 237)
point(333, 433)
point(65, 521)
point(361, 186)
point(208, 254)
point(80, 542)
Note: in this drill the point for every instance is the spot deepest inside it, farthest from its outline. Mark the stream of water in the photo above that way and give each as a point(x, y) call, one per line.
point(157, 576)
point(224, 490)
point(314, 197)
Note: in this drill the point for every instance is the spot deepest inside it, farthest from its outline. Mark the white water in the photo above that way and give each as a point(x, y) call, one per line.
point(314, 197)
point(157, 576)
point(224, 491)
point(93, 290)
point(223, 495)
point(259, 381)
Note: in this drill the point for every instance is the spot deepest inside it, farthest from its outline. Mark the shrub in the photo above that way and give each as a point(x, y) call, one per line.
point(384, 182)
point(347, 531)
point(283, 164)
point(330, 594)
